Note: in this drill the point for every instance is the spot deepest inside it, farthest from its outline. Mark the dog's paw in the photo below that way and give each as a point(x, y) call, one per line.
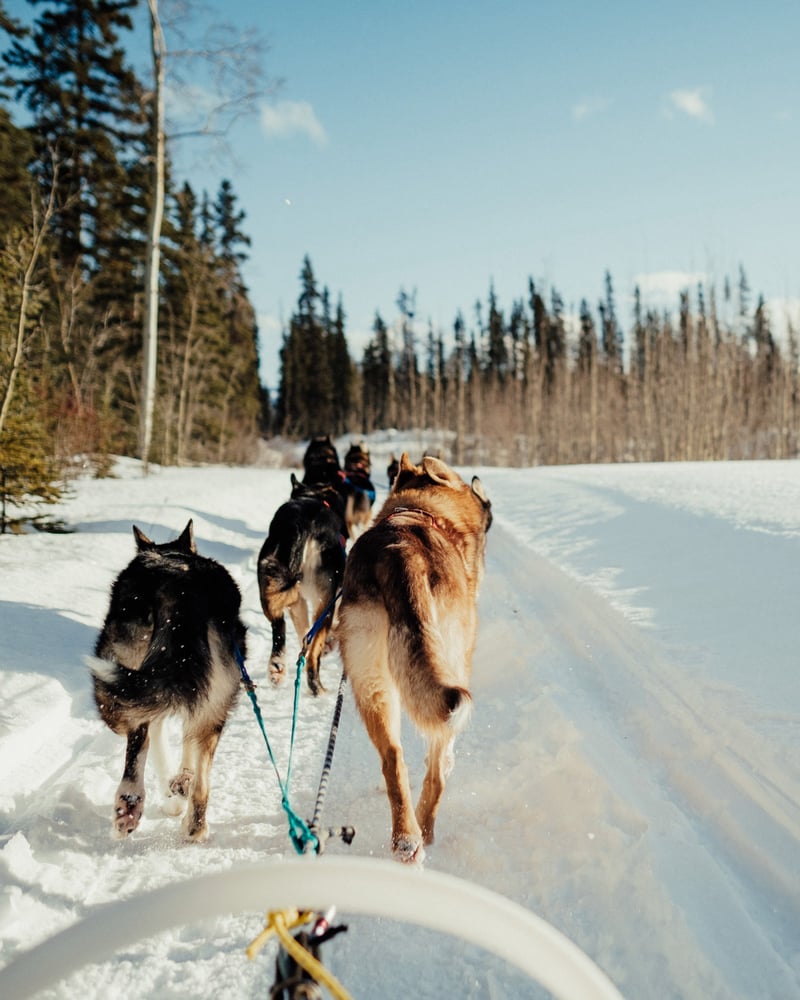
point(173, 805)
point(195, 827)
point(408, 849)
point(181, 785)
point(277, 672)
point(127, 813)
point(315, 685)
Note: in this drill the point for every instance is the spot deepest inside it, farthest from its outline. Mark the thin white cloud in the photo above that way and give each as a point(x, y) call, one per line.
point(663, 288)
point(692, 102)
point(589, 106)
point(284, 118)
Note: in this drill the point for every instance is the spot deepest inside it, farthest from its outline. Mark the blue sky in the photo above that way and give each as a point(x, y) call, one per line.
point(442, 146)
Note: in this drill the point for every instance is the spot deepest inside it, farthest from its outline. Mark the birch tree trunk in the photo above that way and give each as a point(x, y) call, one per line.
point(153, 250)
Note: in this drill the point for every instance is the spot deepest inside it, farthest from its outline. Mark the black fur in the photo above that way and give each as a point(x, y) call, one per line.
point(170, 645)
point(321, 463)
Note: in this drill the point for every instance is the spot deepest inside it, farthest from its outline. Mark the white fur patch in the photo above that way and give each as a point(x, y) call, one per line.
point(104, 670)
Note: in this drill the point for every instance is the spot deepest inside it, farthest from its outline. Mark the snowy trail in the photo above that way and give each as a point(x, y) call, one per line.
point(609, 780)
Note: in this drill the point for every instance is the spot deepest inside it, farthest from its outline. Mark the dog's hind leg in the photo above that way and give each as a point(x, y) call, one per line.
point(130, 794)
point(173, 802)
point(302, 624)
point(313, 657)
point(439, 762)
point(199, 746)
point(277, 658)
point(381, 715)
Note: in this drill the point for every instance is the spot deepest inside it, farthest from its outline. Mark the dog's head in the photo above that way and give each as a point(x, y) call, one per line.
point(357, 458)
point(183, 544)
point(321, 450)
point(324, 492)
point(434, 472)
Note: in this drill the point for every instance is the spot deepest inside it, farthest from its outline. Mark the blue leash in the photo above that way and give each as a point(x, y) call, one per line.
point(299, 831)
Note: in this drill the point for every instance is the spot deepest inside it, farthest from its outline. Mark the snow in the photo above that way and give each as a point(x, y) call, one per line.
point(631, 772)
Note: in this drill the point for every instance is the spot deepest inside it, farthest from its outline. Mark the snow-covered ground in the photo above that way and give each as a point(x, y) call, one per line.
point(631, 772)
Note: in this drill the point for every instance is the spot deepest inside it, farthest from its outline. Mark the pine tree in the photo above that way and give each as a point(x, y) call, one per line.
point(496, 351)
point(87, 109)
point(305, 394)
point(16, 154)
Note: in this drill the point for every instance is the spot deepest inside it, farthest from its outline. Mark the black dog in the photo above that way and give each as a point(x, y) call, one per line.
point(321, 463)
point(300, 569)
point(169, 647)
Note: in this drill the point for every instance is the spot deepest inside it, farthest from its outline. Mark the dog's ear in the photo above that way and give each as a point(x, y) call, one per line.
point(143, 543)
point(295, 481)
point(480, 493)
point(439, 472)
point(478, 490)
point(405, 472)
point(186, 541)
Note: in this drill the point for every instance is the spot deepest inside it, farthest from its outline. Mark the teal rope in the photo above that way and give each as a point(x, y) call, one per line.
point(299, 832)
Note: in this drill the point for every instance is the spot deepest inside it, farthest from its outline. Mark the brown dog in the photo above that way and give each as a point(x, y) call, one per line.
point(407, 625)
point(359, 489)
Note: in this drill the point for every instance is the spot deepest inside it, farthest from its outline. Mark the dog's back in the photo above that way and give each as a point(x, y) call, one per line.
point(168, 608)
point(164, 660)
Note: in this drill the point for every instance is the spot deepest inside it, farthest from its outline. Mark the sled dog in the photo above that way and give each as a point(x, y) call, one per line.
point(406, 630)
point(360, 492)
point(300, 569)
point(321, 463)
point(168, 647)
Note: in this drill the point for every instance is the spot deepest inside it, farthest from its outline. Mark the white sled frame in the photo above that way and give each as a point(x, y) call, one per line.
point(354, 885)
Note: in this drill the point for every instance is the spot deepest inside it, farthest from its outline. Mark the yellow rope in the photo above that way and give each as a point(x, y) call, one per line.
point(280, 922)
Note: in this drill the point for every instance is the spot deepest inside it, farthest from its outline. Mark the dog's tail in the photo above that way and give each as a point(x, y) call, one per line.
point(430, 687)
point(278, 586)
point(146, 688)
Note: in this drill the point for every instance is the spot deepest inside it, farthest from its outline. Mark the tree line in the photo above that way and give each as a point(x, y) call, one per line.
point(536, 385)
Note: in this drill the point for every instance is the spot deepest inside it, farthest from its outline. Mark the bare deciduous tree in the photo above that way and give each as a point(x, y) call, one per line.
point(235, 62)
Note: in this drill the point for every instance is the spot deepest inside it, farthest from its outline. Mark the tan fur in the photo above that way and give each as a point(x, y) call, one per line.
point(407, 626)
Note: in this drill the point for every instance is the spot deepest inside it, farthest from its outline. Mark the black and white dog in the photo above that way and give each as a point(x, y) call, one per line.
point(169, 647)
point(300, 568)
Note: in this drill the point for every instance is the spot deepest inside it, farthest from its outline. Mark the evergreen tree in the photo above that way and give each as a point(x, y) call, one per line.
point(311, 358)
point(87, 109)
point(611, 331)
point(16, 154)
point(497, 351)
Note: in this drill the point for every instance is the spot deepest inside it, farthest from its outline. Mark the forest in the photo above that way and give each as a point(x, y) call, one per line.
point(521, 383)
